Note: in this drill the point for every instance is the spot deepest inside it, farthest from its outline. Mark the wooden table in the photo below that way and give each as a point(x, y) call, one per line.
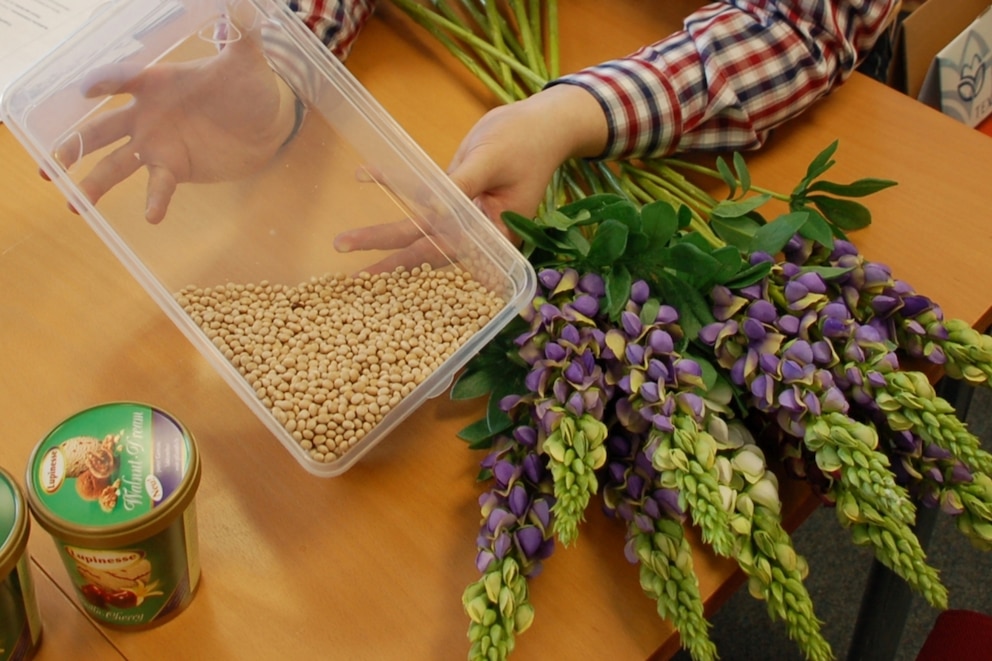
point(371, 565)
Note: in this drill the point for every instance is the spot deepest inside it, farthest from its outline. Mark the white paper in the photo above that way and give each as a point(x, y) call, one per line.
point(31, 28)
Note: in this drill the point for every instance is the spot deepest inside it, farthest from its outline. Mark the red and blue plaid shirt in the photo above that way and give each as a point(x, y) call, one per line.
point(735, 71)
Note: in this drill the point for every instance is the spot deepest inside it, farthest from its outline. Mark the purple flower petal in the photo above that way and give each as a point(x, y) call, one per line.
point(483, 560)
point(666, 315)
point(525, 435)
point(592, 284)
point(631, 324)
point(529, 539)
point(502, 544)
point(754, 330)
point(586, 305)
point(540, 514)
point(639, 292)
point(660, 341)
point(788, 324)
point(549, 278)
point(915, 305)
point(763, 311)
point(504, 472)
point(518, 500)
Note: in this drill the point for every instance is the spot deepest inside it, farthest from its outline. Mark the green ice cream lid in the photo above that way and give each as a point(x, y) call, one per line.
point(112, 469)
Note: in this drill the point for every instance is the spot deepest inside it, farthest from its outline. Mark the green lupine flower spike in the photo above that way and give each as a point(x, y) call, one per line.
point(656, 540)
point(667, 576)
point(764, 549)
point(499, 608)
point(910, 403)
point(685, 458)
point(968, 353)
point(575, 450)
point(877, 510)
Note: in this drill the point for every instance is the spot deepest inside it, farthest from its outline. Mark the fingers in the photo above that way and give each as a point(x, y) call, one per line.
point(161, 187)
point(420, 252)
point(111, 79)
point(95, 134)
point(389, 236)
point(110, 171)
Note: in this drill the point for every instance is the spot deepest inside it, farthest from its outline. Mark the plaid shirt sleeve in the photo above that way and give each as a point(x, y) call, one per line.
point(335, 22)
point(735, 71)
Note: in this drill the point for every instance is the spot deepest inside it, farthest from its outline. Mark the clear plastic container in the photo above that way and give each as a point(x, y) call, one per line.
point(265, 210)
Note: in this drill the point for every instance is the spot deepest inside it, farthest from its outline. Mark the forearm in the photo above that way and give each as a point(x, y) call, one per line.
point(736, 70)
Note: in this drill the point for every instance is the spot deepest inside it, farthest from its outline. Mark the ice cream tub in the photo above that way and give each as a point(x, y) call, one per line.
point(20, 621)
point(115, 485)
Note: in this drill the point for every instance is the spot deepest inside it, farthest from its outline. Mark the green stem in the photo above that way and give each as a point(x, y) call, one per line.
point(533, 57)
point(437, 24)
point(554, 63)
point(710, 172)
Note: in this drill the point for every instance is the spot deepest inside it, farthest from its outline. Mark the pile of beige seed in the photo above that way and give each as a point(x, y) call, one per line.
point(330, 357)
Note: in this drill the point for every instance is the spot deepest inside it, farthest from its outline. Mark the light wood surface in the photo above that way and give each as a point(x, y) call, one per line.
point(372, 564)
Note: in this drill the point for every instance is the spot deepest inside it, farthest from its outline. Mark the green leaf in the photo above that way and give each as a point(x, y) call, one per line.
point(478, 435)
point(750, 275)
point(817, 167)
point(694, 310)
point(859, 188)
point(557, 220)
point(659, 222)
point(618, 282)
point(728, 177)
point(742, 172)
point(527, 230)
point(729, 258)
point(735, 231)
point(496, 418)
point(816, 228)
point(608, 244)
point(828, 272)
point(685, 217)
point(473, 384)
point(591, 204)
point(578, 241)
point(771, 238)
point(845, 214)
point(727, 209)
point(649, 311)
point(688, 258)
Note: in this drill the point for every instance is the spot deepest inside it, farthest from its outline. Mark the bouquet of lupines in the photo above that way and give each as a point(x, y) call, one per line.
point(669, 332)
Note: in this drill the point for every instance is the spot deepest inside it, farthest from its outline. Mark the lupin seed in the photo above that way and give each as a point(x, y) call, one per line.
point(340, 351)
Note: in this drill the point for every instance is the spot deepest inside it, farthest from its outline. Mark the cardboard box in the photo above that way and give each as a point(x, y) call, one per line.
point(958, 81)
point(924, 32)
